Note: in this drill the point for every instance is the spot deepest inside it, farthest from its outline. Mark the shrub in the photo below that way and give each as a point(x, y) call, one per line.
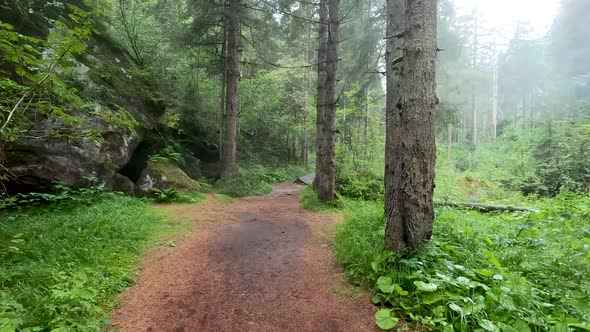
point(363, 185)
point(480, 271)
point(255, 180)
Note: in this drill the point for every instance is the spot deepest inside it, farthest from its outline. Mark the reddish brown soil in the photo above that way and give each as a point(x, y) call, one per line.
point(258, 264)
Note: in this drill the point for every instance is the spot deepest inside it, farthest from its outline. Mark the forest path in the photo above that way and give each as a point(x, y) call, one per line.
point(258, 264)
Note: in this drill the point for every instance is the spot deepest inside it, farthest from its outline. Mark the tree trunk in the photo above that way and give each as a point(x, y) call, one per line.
point(396, 23)
point(327, 176)
point(229, 164)
point(223, 83)
point(495, 104)
point(411, 149)
point(473, 118)
point(449, 141)
point(473, 96)
point(321, 91)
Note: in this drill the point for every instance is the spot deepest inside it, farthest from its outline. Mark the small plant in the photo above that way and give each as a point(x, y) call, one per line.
point(168, 153)
point(60, 194)
point(165, 195)
point(171, 195)
point(309, 200)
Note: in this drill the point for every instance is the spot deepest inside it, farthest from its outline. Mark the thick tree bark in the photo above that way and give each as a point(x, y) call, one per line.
point(223, 81)
point(321, 91)
point(229, 163)
point(326, 104)
point(396, 24)
point(411, 150)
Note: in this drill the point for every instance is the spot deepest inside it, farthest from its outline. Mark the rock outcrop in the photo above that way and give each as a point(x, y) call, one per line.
point(109, 82)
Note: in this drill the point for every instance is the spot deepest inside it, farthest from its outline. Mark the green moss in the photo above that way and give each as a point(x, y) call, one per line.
point(169, 173)
point(117, 80)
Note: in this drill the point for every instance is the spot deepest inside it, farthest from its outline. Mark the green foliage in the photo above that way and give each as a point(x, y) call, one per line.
point(309, 200)
point(61, 194)
point(168, 153)
point(255, 180)
point(172, 195)
point(480, 271)
point(62, 265)
point(360, 185)
point(39, 77)
point(541, 161)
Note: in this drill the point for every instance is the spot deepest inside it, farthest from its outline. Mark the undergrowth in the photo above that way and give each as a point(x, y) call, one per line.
point(309, 200)
point(255, 180)
point(480, 272)
point(62, 265)
point(171, 195)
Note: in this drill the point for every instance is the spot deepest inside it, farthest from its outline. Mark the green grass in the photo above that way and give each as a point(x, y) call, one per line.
point(255, 180)
point(494, 272)
point(62, 266)
point(309, 200)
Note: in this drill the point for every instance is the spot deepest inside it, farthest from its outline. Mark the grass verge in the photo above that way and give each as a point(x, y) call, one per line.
point(309, 200)
point(480, 272)
point(255, 180)
point(61, 266)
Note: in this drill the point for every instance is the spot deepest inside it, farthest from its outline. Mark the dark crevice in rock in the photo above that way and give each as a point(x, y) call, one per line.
point(138, 162)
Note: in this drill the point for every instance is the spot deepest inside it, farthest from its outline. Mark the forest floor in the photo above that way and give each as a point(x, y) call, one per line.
point(257, 264)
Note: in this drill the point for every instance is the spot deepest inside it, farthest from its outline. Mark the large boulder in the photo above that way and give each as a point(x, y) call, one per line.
point(164, 174)
point(114, 91)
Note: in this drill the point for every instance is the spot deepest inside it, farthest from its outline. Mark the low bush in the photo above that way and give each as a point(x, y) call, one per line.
point(309, 200)
point(363, 185)
point(61, 194)
point(172, 195)
point(255, 180)
point(488, 272)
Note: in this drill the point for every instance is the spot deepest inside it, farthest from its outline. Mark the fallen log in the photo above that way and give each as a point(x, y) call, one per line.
point(487, 207)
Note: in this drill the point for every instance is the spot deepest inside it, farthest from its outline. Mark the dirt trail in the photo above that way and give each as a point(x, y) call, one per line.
point(258, 264)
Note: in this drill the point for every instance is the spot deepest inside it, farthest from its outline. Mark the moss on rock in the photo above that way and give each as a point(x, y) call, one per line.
point(164, 174)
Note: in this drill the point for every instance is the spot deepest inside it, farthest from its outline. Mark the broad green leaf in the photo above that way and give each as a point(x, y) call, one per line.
point(455, 307)
point(521, 326)
point(484, 273)
point(432, 298)
point(581, 326)
point(385, 285)
point(400, 290)
point(560, 327)
point(425, 287)
point(488, 325)
point(385, 319)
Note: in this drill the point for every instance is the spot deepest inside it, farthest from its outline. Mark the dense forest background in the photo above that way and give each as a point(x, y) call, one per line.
point(104, 97)
point(527, 98)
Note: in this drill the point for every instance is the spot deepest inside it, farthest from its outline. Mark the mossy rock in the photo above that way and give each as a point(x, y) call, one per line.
point(164, 174)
